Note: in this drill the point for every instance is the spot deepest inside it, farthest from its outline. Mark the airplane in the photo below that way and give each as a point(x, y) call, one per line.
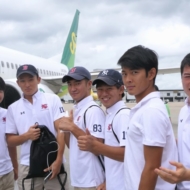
point(51, 72)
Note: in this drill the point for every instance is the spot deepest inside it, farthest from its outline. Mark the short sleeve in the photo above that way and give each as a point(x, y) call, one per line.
point(120, 124)
point(10, 122)
point(154, 129)
point(58, 110)
point(95, 121)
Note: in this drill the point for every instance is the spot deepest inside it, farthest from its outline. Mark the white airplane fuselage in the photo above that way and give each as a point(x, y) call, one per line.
point(48, 70)
point(11, 60)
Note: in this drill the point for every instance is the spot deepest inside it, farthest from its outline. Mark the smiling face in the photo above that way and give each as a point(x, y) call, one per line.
point(138, 82)
point(79, 89)
point(28, 84)
point(109, 95)
point(186, 79)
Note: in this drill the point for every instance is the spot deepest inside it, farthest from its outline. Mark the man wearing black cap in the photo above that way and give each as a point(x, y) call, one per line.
point(34, 107)
point(85, 170)
point(110, 90)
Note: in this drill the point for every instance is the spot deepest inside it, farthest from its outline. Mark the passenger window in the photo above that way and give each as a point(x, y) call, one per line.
point(2, 63)
point(7, 65)
point(12, 66)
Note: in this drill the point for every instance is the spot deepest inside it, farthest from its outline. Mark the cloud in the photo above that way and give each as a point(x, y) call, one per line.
point(106, 29)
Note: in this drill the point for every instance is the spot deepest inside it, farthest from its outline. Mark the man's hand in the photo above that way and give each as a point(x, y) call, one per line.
point(181, 173)
point(102, 186)
point(66, 123)
point(55, 168)
point(86, 142)
point(33, 132)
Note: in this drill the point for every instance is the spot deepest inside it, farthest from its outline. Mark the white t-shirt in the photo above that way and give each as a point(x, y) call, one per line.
point(85, 169)
point(115, 169)
point(21, 115)
point(149, 125)
point(5, 160)
point(184, 141)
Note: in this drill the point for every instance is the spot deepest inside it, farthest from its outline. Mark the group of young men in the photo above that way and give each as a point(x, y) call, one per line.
point(133, 142)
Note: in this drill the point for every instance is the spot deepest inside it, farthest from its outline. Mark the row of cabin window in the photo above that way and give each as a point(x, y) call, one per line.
point(178, 94)
point(11, 65)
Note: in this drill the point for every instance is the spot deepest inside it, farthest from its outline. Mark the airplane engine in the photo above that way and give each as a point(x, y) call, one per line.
point(13, 92)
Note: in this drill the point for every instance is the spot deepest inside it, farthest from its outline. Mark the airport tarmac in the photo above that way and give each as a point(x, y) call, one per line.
point(174, 109)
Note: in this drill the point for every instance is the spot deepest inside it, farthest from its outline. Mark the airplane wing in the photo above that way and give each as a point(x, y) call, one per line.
point(162, 71)
point(53, 80)
point(169, 70)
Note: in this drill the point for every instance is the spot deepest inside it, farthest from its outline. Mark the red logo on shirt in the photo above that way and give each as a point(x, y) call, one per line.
point(25, 67)
point(4, 119)
point(109, 127)
point(44, 106)
point(72, 70)
point(78, 118)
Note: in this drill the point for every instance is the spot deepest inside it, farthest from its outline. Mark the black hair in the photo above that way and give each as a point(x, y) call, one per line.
point(156, 87)
point(101, 83)
point(185, 62)
point(139, 57)
point(2, 84)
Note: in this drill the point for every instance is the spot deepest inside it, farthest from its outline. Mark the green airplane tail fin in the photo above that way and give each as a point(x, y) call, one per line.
point(68, 56)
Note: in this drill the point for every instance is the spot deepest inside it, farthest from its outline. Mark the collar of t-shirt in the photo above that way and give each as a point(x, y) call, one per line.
point(113, 109)
point(34, 97)
point(146, 99)
point(83, 102)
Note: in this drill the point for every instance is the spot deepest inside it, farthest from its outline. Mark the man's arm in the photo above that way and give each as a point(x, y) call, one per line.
point(153, 157)
point(15, 140)
point(67, 124)
point(67, 138)
point(56, 166)
point(89, 143)
point(181, 173)
point(13, 155)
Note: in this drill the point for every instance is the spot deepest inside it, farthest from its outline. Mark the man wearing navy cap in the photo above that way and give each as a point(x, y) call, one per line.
point(110, 90)
point(85, 170)
point(34, 107)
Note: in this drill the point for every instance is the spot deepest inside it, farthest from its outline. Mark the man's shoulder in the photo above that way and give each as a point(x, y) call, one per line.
point(3, 111)
point(183, 110)
point(50, 96)
point(15, 104)
point(92, 106)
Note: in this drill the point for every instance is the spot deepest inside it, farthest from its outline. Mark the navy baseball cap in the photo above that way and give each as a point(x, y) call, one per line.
point(77, 73)
point(110, 77)
point(30, 69)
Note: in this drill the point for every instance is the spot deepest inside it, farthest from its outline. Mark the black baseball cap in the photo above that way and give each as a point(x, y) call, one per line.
point(30, 69)
point(77, 73)
point(110, 76)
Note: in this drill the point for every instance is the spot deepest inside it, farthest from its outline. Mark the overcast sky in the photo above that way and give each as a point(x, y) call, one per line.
point(107, 28)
